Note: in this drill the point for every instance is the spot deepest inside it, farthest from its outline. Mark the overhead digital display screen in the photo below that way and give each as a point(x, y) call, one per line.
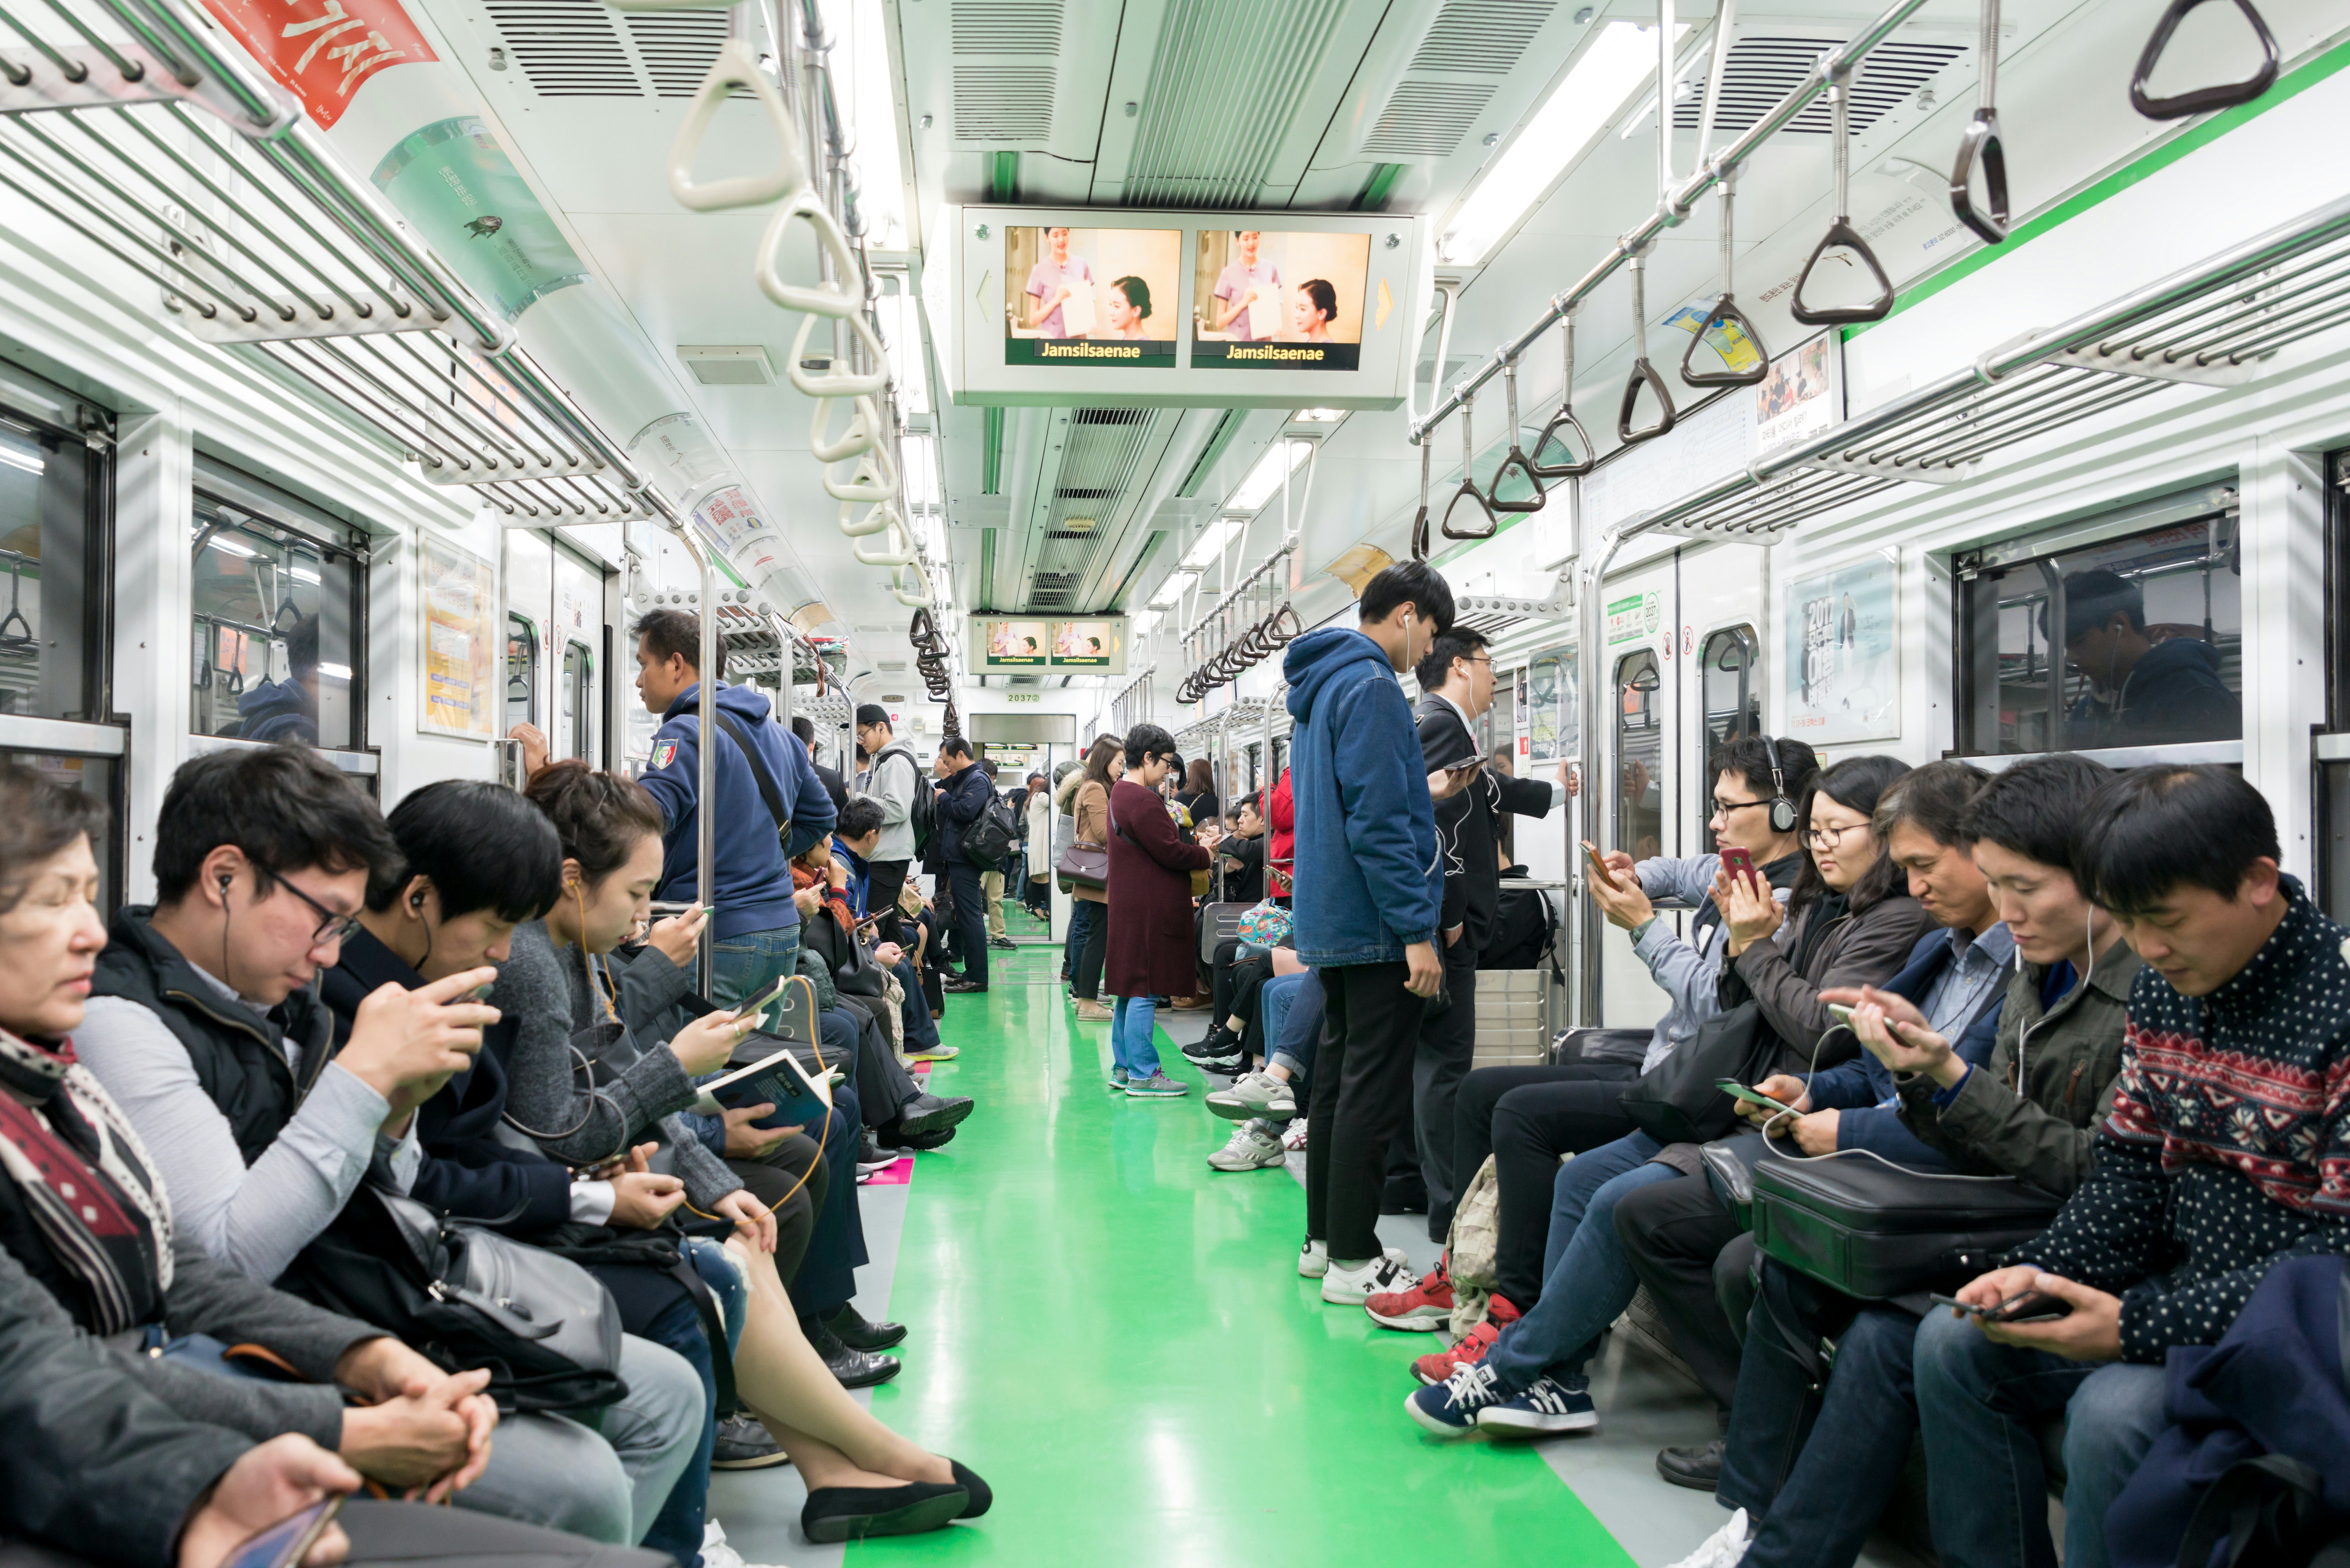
point(1013, 643)
point(1091, 296)
point(1085, 644)
point(1274, 300)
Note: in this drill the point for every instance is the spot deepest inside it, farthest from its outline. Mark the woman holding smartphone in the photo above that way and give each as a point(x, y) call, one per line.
point(863, 1478)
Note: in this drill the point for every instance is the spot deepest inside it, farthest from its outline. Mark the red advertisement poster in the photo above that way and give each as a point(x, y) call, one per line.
point(322, 50)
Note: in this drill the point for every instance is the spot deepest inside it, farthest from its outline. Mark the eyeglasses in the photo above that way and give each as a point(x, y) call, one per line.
point(332, 927)
point(1724, 807)
point(1829, 838)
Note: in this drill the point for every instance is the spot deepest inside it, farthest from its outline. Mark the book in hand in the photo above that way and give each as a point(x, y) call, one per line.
point(766, 1070)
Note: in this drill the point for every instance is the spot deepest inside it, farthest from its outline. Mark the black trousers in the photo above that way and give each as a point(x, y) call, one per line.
point(416, 1536)
point(769, 1178)
point(826, 1277)
point(885, 881)
point(1673, 1234)
point(1526, 1117)
point(969, 919)
point(1447, 1041)
point(1361, 1102)
point(1223, 976)
point(1093, 955)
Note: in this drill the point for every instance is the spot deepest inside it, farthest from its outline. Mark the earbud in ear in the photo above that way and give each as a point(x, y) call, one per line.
point(416, 900)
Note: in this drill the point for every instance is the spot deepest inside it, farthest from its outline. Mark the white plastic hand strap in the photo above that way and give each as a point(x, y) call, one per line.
point(854, 442)
point(735, 67)
point(839, 382)
point(920, 600)
point(898, 549)
point(835, 299)
point(874, 482)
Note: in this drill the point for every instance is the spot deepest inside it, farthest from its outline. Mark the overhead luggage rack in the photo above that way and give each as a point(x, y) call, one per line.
point(2210, 325)
point(132, 124)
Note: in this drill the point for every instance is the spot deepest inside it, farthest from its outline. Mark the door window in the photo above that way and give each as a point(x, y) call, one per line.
point(2134, 641)
point(1640, 756)
point(276, 596)
point(56, 491)
point(1730, 682)
point(579, 703)
point(522, 672)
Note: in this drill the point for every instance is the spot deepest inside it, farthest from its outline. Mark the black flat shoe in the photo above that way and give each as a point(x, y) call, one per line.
point(859, 1512)
point(859, 1333)
point(982, 1499)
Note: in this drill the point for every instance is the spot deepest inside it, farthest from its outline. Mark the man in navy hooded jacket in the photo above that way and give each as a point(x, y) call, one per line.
point(1370, 888)
point(757, 927)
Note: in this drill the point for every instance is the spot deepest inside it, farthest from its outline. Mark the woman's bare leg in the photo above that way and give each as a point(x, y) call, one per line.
point(779, 1374)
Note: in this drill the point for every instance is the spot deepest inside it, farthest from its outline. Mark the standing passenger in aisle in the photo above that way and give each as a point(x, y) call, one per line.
point(892, 782)
point(1149, 911)
point(964, 794)
point(756, 928)
point(1368, 897)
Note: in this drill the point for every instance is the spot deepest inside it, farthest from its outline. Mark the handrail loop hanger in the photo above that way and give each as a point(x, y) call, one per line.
point(1468, 491)
point(2227, 95)
point(1841, 233)
point(1979, 144)
point(1516, 458)
point(1725, 311)
point(737, 66)
point(1643, 373)
point(1419, 541)
point(1564, 419)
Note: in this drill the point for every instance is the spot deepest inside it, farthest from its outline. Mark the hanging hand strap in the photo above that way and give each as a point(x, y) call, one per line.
point(1979, 146)
point(735, 67)
point(1468, 491)
point(1726, 315)
point(1563, 420)
point(1841, 234)
point(1516, 461)
point(2225, 96)
point(1643, 373)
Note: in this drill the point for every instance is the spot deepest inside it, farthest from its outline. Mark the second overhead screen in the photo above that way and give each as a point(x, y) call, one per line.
point(1262, 299)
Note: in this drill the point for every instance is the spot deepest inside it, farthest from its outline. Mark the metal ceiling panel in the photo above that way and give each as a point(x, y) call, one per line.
point(573, 48)
point(1209, 133)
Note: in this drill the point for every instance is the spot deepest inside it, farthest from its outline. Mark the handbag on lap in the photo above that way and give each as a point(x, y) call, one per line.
point(1676, 1101)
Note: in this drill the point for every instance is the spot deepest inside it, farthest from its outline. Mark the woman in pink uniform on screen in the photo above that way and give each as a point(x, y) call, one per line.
point(1245, 279)
point(1052, 280)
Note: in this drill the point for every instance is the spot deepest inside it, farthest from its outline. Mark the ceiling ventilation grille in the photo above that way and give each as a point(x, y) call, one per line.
point(1004, 81)
point(677, 48)
point(1102, 463)
point(1469, 48)
point(567, 48)
point(1762, 71)
point(1210, 128)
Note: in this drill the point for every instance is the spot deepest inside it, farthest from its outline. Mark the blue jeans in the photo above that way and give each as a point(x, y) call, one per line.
point(1292, 1005)
point(748, 964)
point(1815, 1475)
point(1083, 913)
point(1587, 1279)
point(727, 1287)
point(1979, 1403)
point(676, 1528)
point(922, 1029)
point(1130, 1045)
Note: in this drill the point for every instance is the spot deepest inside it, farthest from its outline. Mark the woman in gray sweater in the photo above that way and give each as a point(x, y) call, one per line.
point(862, 1477)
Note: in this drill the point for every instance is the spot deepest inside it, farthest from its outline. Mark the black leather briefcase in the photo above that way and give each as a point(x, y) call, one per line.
point(1880, 1231)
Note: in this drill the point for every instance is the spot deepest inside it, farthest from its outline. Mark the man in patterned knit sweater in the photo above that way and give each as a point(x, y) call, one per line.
point(2225, 1151)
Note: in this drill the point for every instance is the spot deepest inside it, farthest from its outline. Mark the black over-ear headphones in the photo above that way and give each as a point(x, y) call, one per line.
point(1782, 810)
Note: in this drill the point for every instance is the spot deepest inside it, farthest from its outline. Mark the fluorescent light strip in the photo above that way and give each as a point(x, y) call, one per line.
point(1265, 478)
point(228, 546)
point(334, 671)
point(1614, 66)
point(302, 575)
point(1171, 592)
point(30, 462)
point(1211, 544)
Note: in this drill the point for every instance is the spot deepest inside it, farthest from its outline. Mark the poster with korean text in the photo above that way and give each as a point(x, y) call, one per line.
point(458, 644)
point(1844, 652)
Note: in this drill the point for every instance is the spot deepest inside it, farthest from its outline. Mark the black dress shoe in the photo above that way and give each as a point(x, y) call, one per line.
point(854, 1368)
point(928, 1112)
point(856, 1331)
point(982, 1499)
point(1697, 1465)
point(960, 987)
point(858, 1512)
point(924, 1143)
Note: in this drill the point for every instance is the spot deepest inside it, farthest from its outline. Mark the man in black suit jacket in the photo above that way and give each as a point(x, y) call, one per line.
point(1456, 682)
point(834, 784)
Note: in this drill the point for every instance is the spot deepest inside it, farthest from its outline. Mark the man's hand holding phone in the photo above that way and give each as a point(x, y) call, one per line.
point(641, 1198)
point(1891, 1029)
point(406, 1044)
point(2090, 1328)
point(1617, 889)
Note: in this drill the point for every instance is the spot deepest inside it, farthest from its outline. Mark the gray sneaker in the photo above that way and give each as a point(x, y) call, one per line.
point(1157, 1086)
point(743, 1445)
point(1251, 1148)
point(1252, 1096)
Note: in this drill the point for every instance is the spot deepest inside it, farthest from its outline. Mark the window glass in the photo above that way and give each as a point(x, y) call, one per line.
point(276, 607)
point(579, 709)
point(2132, 642)
point(1730, 679)
point(53, 489)
point(1640, 756)
point(522, 672)
point(93, 776)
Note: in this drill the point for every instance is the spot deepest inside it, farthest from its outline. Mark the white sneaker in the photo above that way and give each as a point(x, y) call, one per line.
point(1254, 1095)
point(1352, 1285)
point(1293, 1136)
point(1250, 1148)
point(1314, 1259)
point(715, 1553)
point(1725, 1548)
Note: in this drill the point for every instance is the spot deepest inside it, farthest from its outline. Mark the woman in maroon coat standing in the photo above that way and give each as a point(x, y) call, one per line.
point(1150, 935)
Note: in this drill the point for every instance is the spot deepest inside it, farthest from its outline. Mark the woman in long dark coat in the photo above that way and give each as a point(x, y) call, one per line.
point(1150, 937)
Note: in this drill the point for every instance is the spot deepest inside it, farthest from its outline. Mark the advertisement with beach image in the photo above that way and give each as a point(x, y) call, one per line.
point(1091, 296)
point(1275, 301)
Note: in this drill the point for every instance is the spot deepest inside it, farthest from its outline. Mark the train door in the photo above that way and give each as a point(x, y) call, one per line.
point(574, 670)
point(1641, 656)
point(1724, 623)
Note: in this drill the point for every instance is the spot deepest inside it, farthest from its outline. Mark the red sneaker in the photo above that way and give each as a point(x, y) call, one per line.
point(1437, 1366)
point(1423, 1309)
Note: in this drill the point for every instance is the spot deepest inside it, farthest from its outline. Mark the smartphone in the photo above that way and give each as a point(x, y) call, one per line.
point(1739, 861)
point(287, 1541)
point(755, 1009)
point(479, 993)
point(662, 907)
point(1840, 1012)
point(1466, 763)
point(1599, 867)
point(2025, 1306)
point(1738, 1091)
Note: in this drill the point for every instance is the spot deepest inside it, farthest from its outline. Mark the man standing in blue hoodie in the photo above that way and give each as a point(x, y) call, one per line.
point(1370, 888)
point(756, 927)
point(2141, 692)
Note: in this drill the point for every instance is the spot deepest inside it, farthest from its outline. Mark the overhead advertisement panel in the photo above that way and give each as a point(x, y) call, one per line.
point(1009, 644)
point(1036, 307)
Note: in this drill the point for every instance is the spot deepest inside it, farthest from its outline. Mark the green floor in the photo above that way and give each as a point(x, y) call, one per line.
point(1116, 1338)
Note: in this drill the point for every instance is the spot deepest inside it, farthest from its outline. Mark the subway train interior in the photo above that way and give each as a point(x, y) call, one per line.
point(1922, 380)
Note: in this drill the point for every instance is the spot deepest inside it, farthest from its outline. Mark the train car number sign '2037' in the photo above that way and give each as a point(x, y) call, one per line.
point(1634, 617)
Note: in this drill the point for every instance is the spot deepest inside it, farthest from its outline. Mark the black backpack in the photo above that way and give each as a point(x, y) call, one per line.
point(988, 841)
point(923, 811)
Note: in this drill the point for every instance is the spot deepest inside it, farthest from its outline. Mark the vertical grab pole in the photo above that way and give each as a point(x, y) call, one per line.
point(1665, 101)
point(1591, 663)
point(705, 785)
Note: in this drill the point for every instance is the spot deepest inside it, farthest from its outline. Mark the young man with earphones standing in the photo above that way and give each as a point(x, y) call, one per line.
point(2029, 1110)
point(1370, 888)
